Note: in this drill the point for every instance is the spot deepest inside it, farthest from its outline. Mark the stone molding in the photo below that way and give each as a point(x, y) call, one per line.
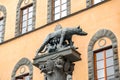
point(103, 33)
point(4, 11)
point(17, 28)
point(21, 62)
point(88, 3)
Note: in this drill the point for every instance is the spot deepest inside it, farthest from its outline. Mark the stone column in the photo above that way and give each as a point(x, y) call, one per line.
point(58, 65)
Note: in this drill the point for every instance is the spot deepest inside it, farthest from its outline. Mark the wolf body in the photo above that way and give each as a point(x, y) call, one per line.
point(61, 37)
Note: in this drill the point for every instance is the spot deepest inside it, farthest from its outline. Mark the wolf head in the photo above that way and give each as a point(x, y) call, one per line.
point(79, 31)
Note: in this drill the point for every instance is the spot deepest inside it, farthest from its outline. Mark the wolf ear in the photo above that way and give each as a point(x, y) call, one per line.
point(78, 27)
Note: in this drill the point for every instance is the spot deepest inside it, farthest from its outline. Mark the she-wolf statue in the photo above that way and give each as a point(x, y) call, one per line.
point(60, 38)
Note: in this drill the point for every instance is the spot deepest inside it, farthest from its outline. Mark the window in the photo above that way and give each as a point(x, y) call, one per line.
point(25, 16)
point(23, 77)
point(1, 29)
point(59, 9)
point(97, 1)
point(89, 3)
point(104, 65)
point(23, 70)
point(26, 19)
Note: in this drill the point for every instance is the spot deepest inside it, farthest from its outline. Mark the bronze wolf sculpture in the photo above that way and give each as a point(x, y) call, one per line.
point(60, 38)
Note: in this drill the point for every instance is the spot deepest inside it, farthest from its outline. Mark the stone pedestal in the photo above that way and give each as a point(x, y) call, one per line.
point(58, 65)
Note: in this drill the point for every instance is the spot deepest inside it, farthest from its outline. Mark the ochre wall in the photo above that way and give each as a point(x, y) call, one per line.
point(77, 5)
point(104, 16)
point(41, 13)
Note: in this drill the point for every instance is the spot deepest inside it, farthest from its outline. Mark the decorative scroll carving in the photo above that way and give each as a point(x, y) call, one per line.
point(59, 65)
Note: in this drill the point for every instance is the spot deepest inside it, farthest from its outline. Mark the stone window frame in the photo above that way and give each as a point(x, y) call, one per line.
point(21, 62)
point(17, 28)
point(50, 7)
point(3, 10)
point(100, 34)
point(89, 3)
point(27, 20)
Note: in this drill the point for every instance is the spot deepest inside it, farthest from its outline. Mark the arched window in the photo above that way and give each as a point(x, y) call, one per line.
point(25, 16)
point(23, 70)
point(103, 56)
point(2, 22)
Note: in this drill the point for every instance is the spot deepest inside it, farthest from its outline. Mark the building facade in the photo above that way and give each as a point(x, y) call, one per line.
point(24, 24)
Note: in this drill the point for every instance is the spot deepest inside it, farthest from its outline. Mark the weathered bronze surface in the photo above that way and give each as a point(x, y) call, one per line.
point(60, 39)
